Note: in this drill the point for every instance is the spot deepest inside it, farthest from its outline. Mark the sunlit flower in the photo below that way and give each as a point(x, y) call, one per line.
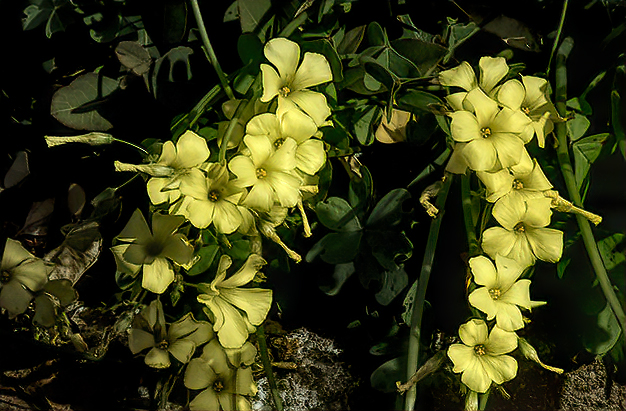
point(269, 172)
point(481, 358)
point(489, 137)
point(492, 71)
point(508, 182)
point(21, 274)
point(290, 82)
point(153, 250)
point(502, 292)
point(310, 152)
point(211, 199)
point(524, 235)
point(530, 96)
point(225, 376)
point(234, 309)
point(179, 340)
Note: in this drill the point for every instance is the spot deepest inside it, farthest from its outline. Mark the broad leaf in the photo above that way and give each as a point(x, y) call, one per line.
point(337, 214)
point(586, 151)
point(388, 212)
point(394, 282)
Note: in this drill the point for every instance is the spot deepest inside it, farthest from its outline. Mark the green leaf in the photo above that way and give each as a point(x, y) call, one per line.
point(337, 214)
point(424, 55)
point(586, 151)
point(388, 212)
point(394, 282)
point(251, 12)
point(250, 48)
point(75, 105)
point(577, 127)
point(408, 304)
point(376, 35)
point(606, 334)
point(351, 40)
point(418, 100)
point(336, 248)
point(206, 256)
point(457, 35)
point(341, 274)
point(134, 57)
point(361, 190)
point(384, 377)
point(561, 266)
point(607, 246)
point(364, 120)
point(389, 247)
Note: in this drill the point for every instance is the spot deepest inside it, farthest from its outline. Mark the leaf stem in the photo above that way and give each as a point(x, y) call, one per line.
point(470, 223)
point(208, 49)
point(420, 293)
point(572, 189)
point(267, 367)
point(557, 38)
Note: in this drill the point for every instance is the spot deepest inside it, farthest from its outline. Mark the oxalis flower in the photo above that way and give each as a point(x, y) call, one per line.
point(225, 376)
point(524, 236)
point(179, 340)
point(481, 358)
point(211, 198)
point(153, 250)
point(21, 274)
point(268, 171)
point(233, 309)
point(289, 81)
point(501, 293)
point(490, 138)
point(310, 152)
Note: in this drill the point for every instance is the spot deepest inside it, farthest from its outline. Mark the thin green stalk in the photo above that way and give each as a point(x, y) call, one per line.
point(420, 293)
point(470, 223)
point(135, 146)
point(208, 48)
point(557, 38)
point(267, 367)
point(570, 182)
point(293, 25)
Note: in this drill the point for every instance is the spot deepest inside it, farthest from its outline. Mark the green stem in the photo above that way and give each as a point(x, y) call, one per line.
point(570, 182)
point(420, 293)
point(470, 223)
point(557, 38)
point(208, 49)
point(267, 367)
point(293, 25)
point(241, 108)
point(135, 146)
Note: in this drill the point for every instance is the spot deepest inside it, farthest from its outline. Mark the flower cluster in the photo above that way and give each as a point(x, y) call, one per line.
point(269, 155)
point(492, 121)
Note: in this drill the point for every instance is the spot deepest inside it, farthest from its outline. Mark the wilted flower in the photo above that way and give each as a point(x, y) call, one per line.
point(211, 199)
point(21, 274)
point(501, 292)
point(225, 376)
point(180, 339)
point(153, 250)
point(481, 357)
point(524, 235)
point(269, 172)
point(290, 82)
point(233, 309)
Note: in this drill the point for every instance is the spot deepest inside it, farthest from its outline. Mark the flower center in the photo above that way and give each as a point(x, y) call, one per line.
point(153, 248)
point(214, 196)
point(5, 277)
point(479, 349)
point(517, 185)
point(494, 293)
point(261, 173)
point(525, 110)
point(164, 345)
point(519, 227)
point(218, 386)
point(284, 91)
point(279, 142)
point(485, 132)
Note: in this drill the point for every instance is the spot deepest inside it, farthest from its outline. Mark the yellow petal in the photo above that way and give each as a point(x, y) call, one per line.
point(313, 70)
point(460, 76)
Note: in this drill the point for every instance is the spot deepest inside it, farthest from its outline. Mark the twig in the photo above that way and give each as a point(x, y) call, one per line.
point(557, 38)
point(267, 367)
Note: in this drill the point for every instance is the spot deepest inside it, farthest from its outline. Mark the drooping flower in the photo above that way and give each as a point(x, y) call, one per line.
point(225, 376)
point(530, 96)
point(153, 250)
point(489, 137)
point(290, 82)
point(481, 358)
point(179, 340)
point(235, 310)
point(268, 171)
point(524, 235)
point(502, 292)
point(211, 199)
point(21, 274)
point(508, 182)
point(310, 152)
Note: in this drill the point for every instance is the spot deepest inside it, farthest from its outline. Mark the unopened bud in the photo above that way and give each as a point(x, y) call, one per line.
point(93, 139)
point(530, 353)
point(155, 170)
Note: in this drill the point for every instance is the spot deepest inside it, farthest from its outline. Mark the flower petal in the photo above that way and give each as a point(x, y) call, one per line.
point(207, 400)
point(484, 107)
point(260, 197)
point(492, 70)
point(460, 76)
point(476, 377)
point(509, 211)
point(157, 276)
point(199, 375)
point(546, 243)
point(139, 340)
point(284, 55)
point(509, 148)
point(518, 294)
point(195, 184)
point(497, 240)
point(158, 194)
point(256, 302)
point(164, 225)
point(246, 273)
point(234, 331)
point(481, 299)
point(272, 83)
point(157, 358)
point(508, 272)
point(538, 212)
point(182, 350)
point(455, 100)
point(191, 150)
point(265, 124)
point(484, 271)
point(297, 125)
point(500, 342)
point(501, 368)
point(511, 94)
point(227, 217)
point(464, 126)
point(509, 317)
point(33, 274)
point(178, 249)
point(462, 356)
point(480, 155)
point(136, 230)
point(14, 254)
point(311, 102)
point(473, 332)
point(260, 147)
point(243, 167)
point(310, 156)
point(498, 184)
point(313, 70)
point(14, 298)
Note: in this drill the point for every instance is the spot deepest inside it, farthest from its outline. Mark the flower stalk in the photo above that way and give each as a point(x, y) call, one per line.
point(573, 193)
point(267, 367)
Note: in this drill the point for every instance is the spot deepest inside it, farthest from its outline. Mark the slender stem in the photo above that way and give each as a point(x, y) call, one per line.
point(208, 48)
point(572, 189)
point(470, 223)
point(267, 367)
point(557, 38)
point(135, 146)
point(294, 24)
point(420, 293)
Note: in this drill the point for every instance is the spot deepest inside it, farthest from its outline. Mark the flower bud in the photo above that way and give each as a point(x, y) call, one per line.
point(93, 139)
point(530, 353)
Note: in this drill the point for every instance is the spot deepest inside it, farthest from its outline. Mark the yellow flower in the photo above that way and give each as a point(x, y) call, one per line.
point(233, 309)
point(524, 235)
point(501, 292)
point(481, 358)
point(290, 82)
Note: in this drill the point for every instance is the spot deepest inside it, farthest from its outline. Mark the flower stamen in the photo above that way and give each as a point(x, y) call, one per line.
point(279, 142)
point(525, 110)
point(214, 196)
point(261, 173)
point(479, 350)
point(517, 185)
point(485, 132)
point(164, 345)
point(494, 293)
point(284, 91)
point(218, 386)
point(5, 277)
point(519, 227)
